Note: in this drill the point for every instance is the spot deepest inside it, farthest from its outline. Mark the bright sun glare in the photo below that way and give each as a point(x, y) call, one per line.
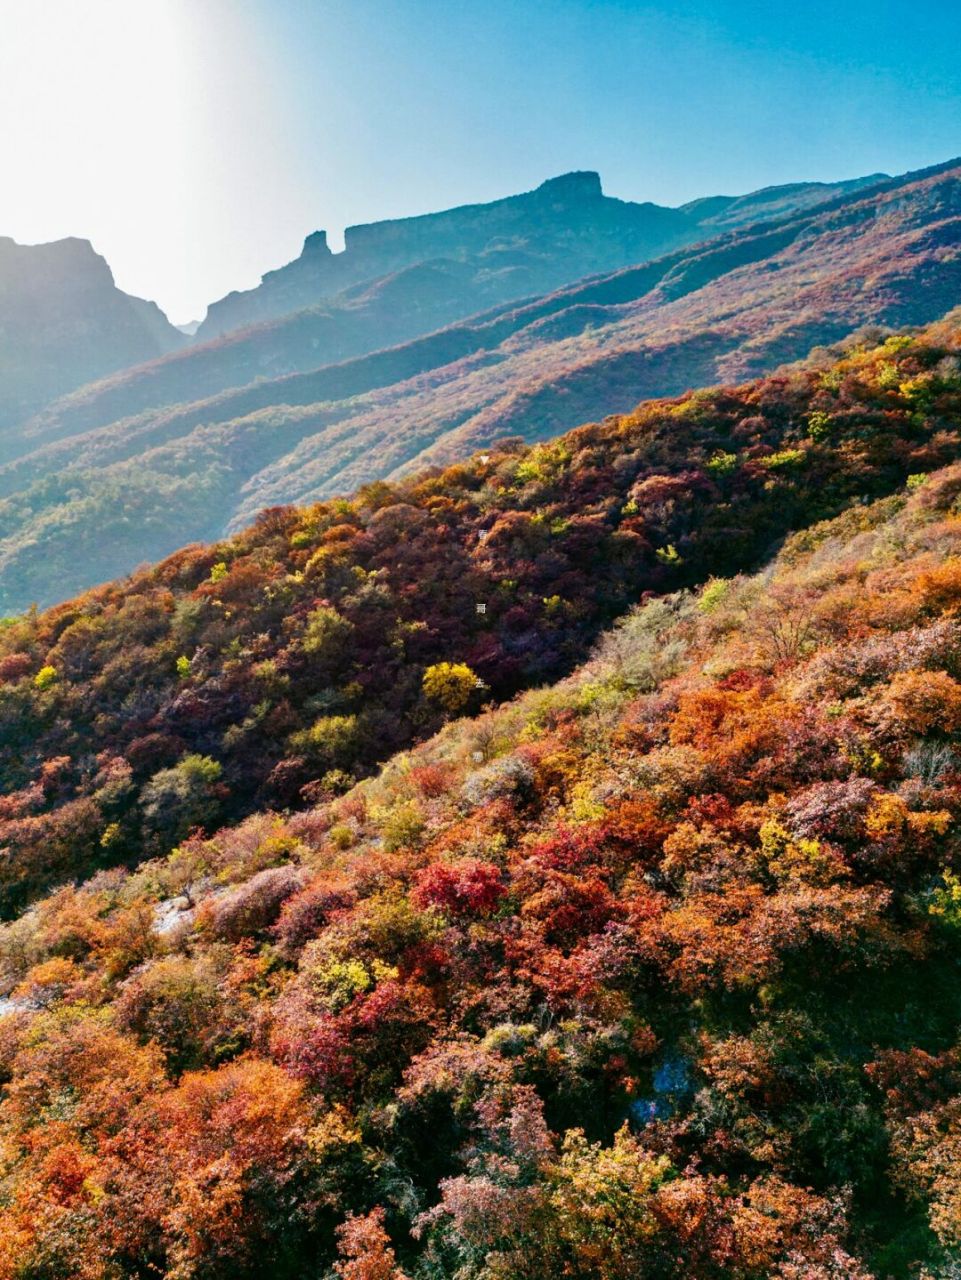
point(96, 100)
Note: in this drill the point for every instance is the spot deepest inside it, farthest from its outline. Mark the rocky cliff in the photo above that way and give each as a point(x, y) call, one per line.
point(542, 239)
point(63, 322)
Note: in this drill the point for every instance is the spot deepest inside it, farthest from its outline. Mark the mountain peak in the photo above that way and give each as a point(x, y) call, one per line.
point(316, 243)
point(581, 184)
point(69, 249)
point(65, 323)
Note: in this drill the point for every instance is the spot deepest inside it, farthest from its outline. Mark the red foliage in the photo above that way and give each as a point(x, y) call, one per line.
point(467, 887)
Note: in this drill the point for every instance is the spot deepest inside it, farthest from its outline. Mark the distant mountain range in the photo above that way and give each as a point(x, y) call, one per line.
point(63, 322)
point(394, 281)
point(380, 381)
point(530, 243)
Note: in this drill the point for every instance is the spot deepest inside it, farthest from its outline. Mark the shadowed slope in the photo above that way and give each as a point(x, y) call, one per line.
point(63, 322)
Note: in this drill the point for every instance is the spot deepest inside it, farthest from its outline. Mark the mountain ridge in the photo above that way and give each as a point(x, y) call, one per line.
point(733, 307)
point(337, 323)
point(639, 230)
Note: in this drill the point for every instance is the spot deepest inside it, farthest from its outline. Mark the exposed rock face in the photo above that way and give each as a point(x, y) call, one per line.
point(534, 223)
point(316, 243)
point(564, 229)
point(64, 322)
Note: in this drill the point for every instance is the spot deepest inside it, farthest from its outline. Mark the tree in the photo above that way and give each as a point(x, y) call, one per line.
point(451, 684)
point(181, 797)
point(365, 1250)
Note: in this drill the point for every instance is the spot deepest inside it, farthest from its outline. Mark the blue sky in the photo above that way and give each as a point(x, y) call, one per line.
point(196, 142)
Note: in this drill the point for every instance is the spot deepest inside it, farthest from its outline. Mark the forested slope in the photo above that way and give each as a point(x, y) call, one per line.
point(286, 661)
point(653, 972)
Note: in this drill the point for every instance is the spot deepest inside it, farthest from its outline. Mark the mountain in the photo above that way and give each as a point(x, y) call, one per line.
point(729, 213)
point(92, 501)
point(296, 649)
point(565, 229)
point(63, 322)
point(651, 971)
point(509, 248)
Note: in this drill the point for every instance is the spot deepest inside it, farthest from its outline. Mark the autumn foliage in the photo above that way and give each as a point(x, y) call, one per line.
point(277, 667)
point(651, 971)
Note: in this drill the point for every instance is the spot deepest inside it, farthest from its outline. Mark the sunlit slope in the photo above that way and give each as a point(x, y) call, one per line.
point(651, 972)
point(295, 653)
point(743, 304)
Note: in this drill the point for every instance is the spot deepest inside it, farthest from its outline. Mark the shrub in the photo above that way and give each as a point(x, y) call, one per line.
point(331, 741)
point(509, 776)
point(466, 887)
point(327, 634)
point(251, 908)
point(721, 463)
point(451, 684)
point(929, 762)
point(306, 912)
point(365, 1250)
point(924, 701)
point(14, 666)
point(402, 827)
point(181, 797)
point(177, 1003)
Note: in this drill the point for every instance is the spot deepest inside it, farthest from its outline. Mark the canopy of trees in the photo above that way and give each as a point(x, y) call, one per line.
point(297, 655)
point(651, 971)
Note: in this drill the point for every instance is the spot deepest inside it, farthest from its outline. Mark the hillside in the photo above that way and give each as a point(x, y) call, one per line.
point(63, 322)
point(94, 504)
point(530, 243)
point(650, 973)
point(286, 661)
point(563, 229)
point(398, 281)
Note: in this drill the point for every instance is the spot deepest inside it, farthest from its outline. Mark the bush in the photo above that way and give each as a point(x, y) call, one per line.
point(177, 799)
point(252, 908)
point(467, 887)
point(510, 776)
point(304, 914)
point(326, 635)
point(330, 742)
point(451, 684)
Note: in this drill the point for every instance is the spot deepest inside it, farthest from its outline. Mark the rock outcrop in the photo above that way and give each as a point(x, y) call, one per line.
point(64, 322)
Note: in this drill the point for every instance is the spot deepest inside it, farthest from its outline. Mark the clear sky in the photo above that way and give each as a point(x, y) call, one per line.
point(196, 142)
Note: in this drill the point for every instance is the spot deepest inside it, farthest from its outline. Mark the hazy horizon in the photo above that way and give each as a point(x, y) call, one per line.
point(128, 117)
